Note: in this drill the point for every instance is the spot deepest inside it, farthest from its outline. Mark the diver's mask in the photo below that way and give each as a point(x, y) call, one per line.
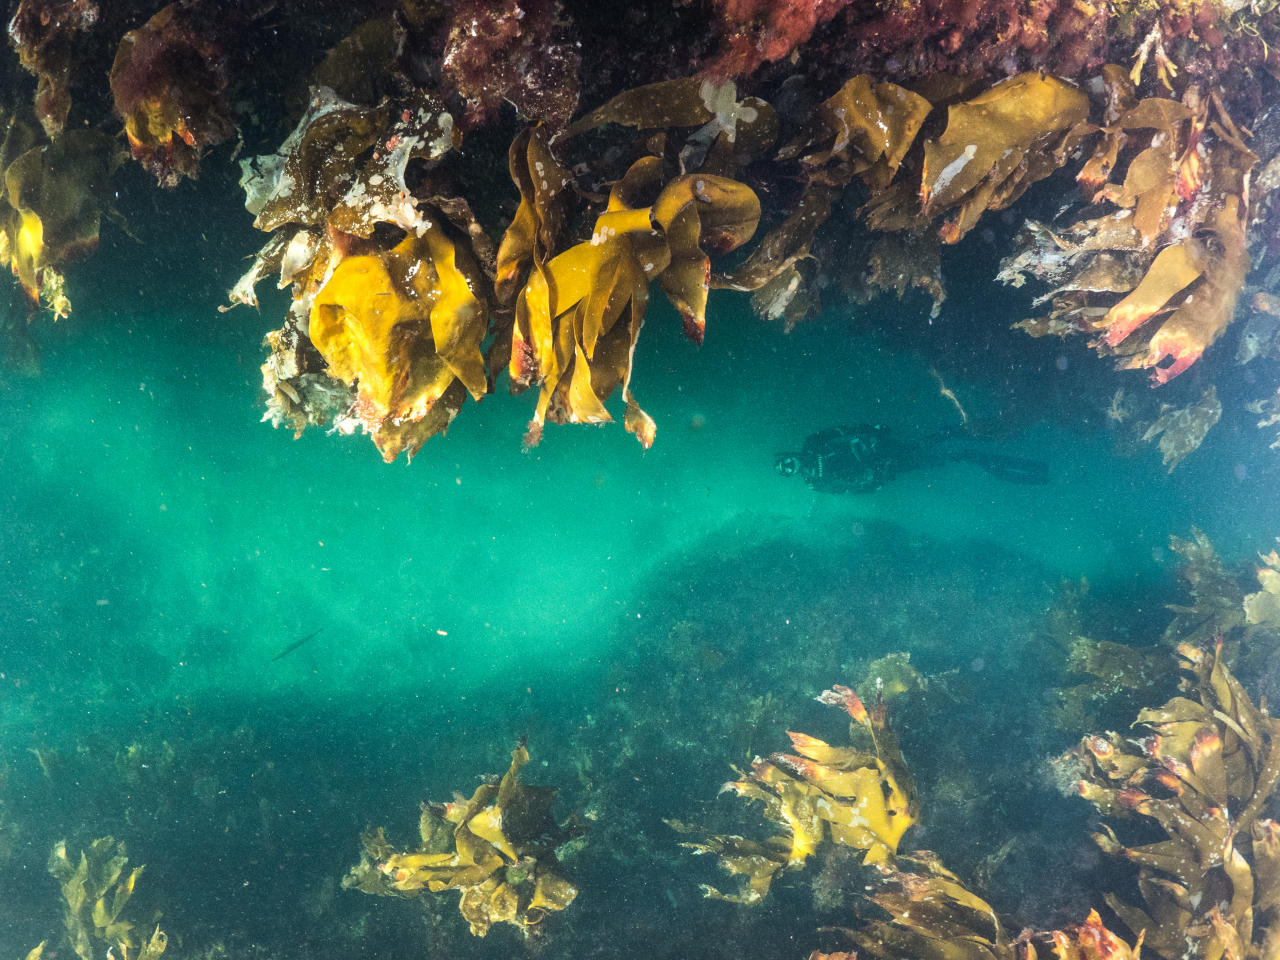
point(787, 465)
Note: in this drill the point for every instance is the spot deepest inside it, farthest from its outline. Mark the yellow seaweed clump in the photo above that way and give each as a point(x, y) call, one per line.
point(496, 849)
point(995, 145)
point(863, 130)
point(95, 891)
point(933, 916)
point(390, 299)
point(51, 206)
point(852, 797)
point(1204, 774)
point(1172, 246)
point(578, 316)
point(404, 327)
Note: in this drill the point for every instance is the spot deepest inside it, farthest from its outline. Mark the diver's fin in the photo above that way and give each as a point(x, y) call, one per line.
point(1009, 469)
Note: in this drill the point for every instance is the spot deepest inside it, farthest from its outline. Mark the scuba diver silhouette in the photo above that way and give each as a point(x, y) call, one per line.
point(863, 458)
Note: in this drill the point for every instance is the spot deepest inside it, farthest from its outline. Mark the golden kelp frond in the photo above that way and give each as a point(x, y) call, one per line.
point(747, 127)
point(1210, 306)
point(1174, 247)
point(95, 892)
point(782, 247)
point(579, 315)
point(1151, 182)
point(865, 129)
point(534, 230)
point(497, 849)
point(1092, 941)
point(1204, 775)
point(852, 797)
point(771, 272)
point(696, 212)
point(757, 862)
point(153, 946)
point(1174, 269)
point(933, 916)
point(404, 328)
point(654, 106)
point(996, 145)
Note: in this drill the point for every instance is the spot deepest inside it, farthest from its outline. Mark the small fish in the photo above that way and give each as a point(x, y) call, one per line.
point(295, 645)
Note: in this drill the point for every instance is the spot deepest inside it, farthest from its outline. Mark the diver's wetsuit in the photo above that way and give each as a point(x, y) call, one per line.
point(863, 458)
point(847, 459)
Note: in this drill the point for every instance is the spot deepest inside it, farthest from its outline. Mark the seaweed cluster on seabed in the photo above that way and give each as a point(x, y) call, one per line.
point(498, 850)
point(1204, 774)
point(95, 891)
point(862, 799)
point(1186, 793)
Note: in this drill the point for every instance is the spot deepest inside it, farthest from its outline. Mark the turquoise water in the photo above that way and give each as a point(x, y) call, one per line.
point(645, 619)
